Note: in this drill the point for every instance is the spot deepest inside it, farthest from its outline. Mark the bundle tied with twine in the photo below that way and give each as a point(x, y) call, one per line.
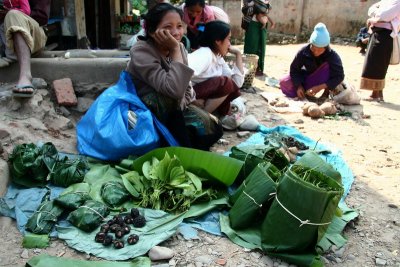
point(303, 207)
point(74, 196)
point(44, 218)
point(89, 216)
point(114, 193)
point(252, 155)
point(251, 198)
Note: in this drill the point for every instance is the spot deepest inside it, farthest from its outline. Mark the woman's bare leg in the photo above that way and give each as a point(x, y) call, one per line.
point(212, 104)
point(24, 60)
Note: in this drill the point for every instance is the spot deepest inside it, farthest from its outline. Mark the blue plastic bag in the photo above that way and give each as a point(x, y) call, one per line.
point(103, 131)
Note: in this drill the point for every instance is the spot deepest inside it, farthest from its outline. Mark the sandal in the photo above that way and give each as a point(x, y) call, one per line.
point(373, 99)
point(259, 73)
point(25, 91)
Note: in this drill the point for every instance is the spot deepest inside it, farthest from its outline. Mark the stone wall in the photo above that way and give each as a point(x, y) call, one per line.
point(343, 18)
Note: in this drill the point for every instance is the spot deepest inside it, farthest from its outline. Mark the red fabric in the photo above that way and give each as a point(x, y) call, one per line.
point(20, 5)
point(217, 87)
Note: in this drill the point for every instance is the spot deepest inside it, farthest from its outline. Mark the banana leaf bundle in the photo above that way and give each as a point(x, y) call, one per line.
point(66, 172)
point(313, 161)
point(252, 155)
point(30, 164)
point(88, 216)
point(252, 195)
point(304, 205)
point(114, 193)
point(74, 196)
point(44, 218)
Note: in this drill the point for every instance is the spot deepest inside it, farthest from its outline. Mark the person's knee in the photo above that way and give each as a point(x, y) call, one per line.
point(229, 85)
point(13, 13)
point(14, 18)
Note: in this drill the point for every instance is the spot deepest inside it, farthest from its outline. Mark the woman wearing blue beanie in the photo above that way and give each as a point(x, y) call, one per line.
point(315, 67)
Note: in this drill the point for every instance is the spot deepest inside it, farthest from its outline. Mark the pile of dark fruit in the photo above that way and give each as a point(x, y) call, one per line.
point(291, 142)
point(119, 226)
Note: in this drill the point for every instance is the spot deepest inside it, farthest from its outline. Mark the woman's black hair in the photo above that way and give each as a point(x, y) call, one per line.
point(154, 16)
point(215, 30)
point(189, 3)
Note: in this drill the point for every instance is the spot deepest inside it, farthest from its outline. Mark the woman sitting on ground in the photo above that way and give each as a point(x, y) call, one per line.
point(159, 71)
point(316, 67)
point(215, 83)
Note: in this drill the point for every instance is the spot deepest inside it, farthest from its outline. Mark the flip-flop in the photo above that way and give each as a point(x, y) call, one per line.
point(374, 99)
point(17, 93)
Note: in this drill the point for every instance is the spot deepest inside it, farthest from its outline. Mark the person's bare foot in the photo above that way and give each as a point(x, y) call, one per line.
point(23, 91)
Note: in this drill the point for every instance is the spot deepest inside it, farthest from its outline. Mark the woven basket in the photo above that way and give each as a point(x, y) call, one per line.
point(250, 62)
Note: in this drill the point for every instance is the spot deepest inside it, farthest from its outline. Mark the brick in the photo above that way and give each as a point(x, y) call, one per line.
point(65, 93)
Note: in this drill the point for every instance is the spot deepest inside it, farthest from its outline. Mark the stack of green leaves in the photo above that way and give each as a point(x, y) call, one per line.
point(166, 185)
point(252, 195)
point(74, 196)
point(66, 172)
point(114, 193)
point(88, 216)
point(304, 205)
point(44, 218)
point(30, 164)
point(252, 155)
point(313, 161)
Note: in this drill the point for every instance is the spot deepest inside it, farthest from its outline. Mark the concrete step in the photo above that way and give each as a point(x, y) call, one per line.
point(87, 70)
point(86, 53)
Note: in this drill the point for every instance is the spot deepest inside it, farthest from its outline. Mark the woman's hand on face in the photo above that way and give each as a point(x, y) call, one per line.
point(164, 38)
point(234, 50)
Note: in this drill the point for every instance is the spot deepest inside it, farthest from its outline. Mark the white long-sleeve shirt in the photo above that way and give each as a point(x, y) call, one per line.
point(386, 11)
point(207, 65)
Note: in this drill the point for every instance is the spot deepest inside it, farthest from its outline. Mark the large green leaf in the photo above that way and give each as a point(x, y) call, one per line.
point(211, 165)
point(77, 188)
point(131, 189)
point(159, 227)
point(97, 176)
point(162, 168)
point(45, 260)
point(333, 233)
point(35, 241)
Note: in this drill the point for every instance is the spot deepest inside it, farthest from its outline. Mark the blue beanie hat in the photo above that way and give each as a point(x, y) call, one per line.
point(320, 36)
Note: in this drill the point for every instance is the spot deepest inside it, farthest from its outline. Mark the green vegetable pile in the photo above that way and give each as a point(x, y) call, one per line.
point(32, 165)
point(166, 185)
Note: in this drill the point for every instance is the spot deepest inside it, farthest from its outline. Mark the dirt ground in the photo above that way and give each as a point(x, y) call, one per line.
point(370, 142)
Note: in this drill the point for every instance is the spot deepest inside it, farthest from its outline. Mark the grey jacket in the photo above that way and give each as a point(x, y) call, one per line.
point(151, 72)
